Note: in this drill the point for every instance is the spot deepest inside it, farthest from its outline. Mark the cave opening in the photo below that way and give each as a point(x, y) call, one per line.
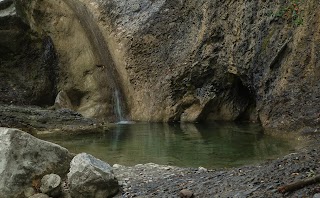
point(234, 103)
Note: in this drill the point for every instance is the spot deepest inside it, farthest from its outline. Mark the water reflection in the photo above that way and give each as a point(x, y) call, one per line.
point(189, 145)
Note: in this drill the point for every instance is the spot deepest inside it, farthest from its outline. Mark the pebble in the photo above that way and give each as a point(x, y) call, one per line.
point(185, 193)
point(116, 166)
point(202, 169)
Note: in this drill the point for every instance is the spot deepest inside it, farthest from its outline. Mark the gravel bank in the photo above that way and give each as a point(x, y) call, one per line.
point(152, 180)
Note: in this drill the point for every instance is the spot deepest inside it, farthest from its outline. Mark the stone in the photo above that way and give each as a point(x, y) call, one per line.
point(202, 170)
point(24, 158)
point(185, 193)
point(63, 101)
point(28, 192)
point(39, 195)
point(317, 195)
point(91, 177)
point(51, 185)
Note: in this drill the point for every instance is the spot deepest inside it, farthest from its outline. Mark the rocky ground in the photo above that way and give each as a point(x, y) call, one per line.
point(263, 180)
point(36, 120)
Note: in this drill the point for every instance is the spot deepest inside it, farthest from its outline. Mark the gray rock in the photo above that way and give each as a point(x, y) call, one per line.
point(63, 101)
point(24, 157)
point(91, 177)
point(39, 195)
point(51, 185)
point(28, 192)
point(185, 193)
point(202, 170)
point(316, 195)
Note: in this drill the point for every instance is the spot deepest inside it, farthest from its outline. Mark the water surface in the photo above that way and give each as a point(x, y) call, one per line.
point(212, 145)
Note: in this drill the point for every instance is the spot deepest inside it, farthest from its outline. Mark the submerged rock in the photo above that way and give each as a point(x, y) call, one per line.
point(91, 177)
point(24, 158)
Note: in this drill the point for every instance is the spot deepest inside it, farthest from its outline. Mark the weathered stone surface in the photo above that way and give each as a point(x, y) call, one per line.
point(28, 192)
point(27, 62)
point(24, 158)
point(185, 193)
point(39, 195)
point(91, 177)
point(37, 120)
point(188, 60)
point(62, 101)
point(51, 185)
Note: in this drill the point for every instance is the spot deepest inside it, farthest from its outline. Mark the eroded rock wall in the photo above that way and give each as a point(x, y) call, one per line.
point(219, 60)
point(185, 60)
point(28, 64)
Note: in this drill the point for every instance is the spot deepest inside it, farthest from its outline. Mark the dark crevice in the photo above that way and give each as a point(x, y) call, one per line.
point(235, 103)
point(246, 101)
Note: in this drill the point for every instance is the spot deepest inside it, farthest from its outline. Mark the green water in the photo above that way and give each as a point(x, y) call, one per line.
point(213, 145)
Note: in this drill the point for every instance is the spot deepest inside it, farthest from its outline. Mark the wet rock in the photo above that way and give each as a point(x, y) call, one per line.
point(51, 185)
point(39, 195)
point(91, 177)
point(24, 157)
point(185, 193)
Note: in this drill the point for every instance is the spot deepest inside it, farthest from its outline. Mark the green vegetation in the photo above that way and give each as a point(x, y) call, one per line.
point(291, 12)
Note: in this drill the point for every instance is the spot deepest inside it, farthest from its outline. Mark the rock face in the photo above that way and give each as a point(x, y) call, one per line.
point(24, 159)
point(187, 60)
point(91, 177)
point(38, 120)
point(28, 61)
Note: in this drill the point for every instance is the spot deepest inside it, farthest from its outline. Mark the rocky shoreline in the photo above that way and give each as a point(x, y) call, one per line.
point(263, 180)
point(152, 180)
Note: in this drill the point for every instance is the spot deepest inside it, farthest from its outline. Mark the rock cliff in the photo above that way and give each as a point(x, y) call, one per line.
point(185, 60)
point(28, 62)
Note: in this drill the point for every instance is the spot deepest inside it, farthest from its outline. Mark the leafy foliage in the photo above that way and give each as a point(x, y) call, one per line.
point(291, 12)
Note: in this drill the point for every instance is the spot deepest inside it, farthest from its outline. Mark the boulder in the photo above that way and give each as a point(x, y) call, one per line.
point(24, 159)
point(91, 177)
point(63, 101)
point(51, 185)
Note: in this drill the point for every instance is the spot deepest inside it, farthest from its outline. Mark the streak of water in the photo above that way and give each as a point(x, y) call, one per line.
point(102, 55)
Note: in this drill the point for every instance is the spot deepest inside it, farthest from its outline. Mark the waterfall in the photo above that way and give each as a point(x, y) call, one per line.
point(102, 55)
point(118, 107)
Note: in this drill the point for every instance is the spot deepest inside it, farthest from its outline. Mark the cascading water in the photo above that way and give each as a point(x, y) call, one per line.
point(118, 107)
point(102, 55)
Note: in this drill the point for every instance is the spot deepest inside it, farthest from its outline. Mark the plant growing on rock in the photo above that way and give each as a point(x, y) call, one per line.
point(291, 12)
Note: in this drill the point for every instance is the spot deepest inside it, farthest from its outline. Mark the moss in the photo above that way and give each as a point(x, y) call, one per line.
point(266, 40)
